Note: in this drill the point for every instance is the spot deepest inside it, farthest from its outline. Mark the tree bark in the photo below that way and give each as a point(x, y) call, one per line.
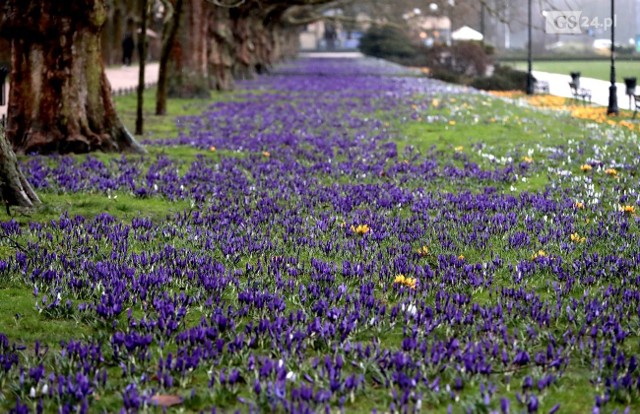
point(289, 43)
point(263, 56)
point(60, 98)
point(245, 47)
point(260, 39)
point(188, 68)
point(142, 53)
point(220, 49)
point(168, 38)
point(5, 52)
point(15, 190)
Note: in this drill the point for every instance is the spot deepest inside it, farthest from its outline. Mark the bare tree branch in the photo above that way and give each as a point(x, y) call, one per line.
point(218, 3)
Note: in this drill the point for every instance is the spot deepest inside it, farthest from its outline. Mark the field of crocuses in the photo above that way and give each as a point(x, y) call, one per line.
point(339, 236)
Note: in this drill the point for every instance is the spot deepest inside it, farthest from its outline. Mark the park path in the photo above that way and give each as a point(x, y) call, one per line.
point(558, 83)
point(121, 78)
point(559, 86)
point(345, 55)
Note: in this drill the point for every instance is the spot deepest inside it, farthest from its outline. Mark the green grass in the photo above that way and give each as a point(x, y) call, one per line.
point(119, 204)
point(164, 126)
point(482, 126)
point(491, 122)
point(126, 205)
point(598, 69)
point(23, 323)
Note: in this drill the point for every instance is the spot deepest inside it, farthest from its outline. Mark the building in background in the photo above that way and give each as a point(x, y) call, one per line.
point(506, 26)
point(332, 34)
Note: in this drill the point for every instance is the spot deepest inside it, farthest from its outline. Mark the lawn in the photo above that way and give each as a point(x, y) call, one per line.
point(598, 69)
point(349, 242)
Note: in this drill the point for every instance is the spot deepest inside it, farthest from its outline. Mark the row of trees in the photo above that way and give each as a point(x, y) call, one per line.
point(60, 98)
point(59, 95)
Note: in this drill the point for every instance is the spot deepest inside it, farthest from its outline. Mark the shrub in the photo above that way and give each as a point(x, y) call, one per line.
point(463, 62)
point(462, 58)
point(446, 76)
point(504, 78)
point(493, 83)
point(389, 43)
point(625, 50)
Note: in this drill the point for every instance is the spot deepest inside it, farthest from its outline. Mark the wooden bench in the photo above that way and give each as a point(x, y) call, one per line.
point(580, 93)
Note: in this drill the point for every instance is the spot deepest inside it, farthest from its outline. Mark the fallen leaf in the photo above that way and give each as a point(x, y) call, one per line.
point(165, 400)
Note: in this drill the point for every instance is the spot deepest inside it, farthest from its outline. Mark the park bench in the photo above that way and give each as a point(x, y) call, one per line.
point(580, 93)
point(540, 86)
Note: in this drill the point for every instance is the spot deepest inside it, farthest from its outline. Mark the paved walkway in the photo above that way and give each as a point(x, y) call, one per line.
point(124, 77)
point(558, 83)
point(346, 55)
point(127, 76)
point(559, 86)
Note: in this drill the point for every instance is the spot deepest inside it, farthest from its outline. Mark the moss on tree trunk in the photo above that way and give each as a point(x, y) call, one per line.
point(60, 98)
point(15, 190)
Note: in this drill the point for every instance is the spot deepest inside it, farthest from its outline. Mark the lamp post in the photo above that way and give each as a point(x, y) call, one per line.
point(530, 79)
point(612, 109)
point(482, 21)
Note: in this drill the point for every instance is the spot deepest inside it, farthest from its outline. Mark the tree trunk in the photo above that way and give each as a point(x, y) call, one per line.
point(142, 53)
point(245, 47)
point(289, 42)
point(168, 38)
point(5, 52)
point(125, 15)
point(107, 39)
point(60, 98)
point(114, 30)
point(259, 40)
point(220, 49)
point(15, 190)
point(188, 67)
point(263, 59)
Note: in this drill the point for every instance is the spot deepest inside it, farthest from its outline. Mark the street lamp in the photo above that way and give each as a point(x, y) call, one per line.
point(530, 79)
point(612, 109)
point(482, 21)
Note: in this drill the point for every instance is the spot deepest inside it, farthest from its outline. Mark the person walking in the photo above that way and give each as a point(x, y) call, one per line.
point(127, 49)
